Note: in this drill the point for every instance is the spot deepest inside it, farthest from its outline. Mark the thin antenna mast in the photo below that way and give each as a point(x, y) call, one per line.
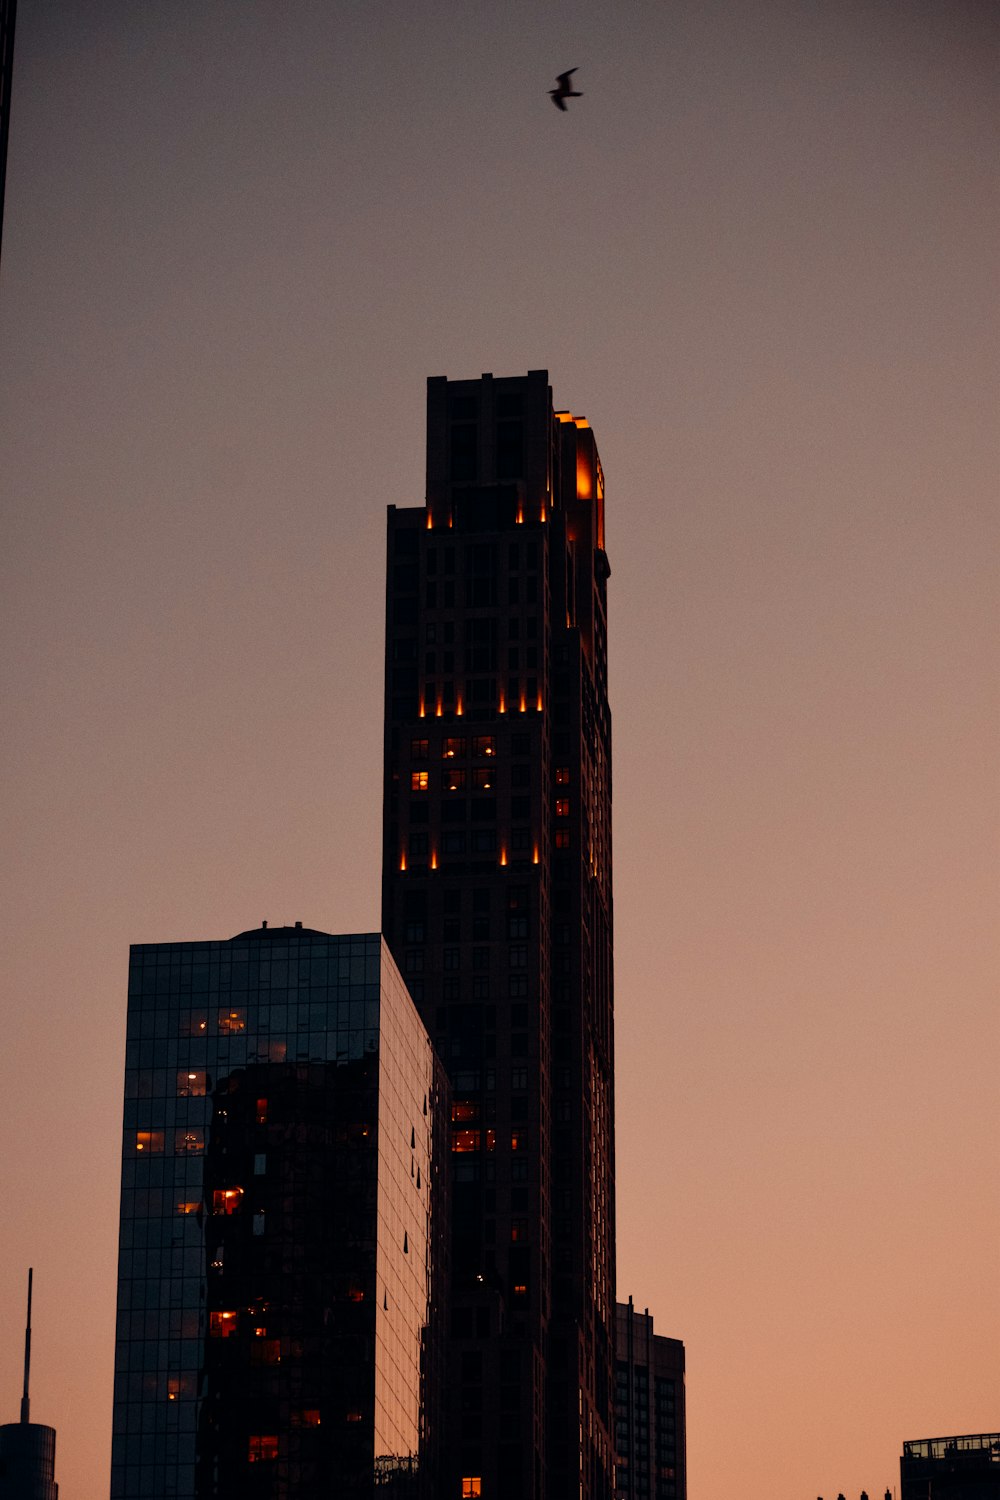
point(25, 1403)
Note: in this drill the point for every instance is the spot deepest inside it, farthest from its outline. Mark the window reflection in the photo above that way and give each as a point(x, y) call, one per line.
point(192, 1084)
point(226, 1200)
point(232, 1020)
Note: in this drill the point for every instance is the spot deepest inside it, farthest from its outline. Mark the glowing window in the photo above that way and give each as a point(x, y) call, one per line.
point(261, 1115)
point(232, 1020)
point(472, 1488)
point(465, 1109)
point(262, 1449)
point(562, 838)
point(179, 1386)
point(221, 1325)
point(226, 1200)
point(465, 1140)
point(484, 780)
point(149, 1141)
point(454, 748)
point(562, 807)
point(188, 1207)
point(307, 1418)
point(189, 1139)
point(192, 1084)
point(454, 779)
point(562, 776)
point(354, 1416)
point(484, 744)
point(418, 781)
point(517, 1141)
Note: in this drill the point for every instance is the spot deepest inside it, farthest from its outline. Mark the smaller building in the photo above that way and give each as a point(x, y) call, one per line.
point(951, 1468)
point(27, 1449)
point(650, 1444)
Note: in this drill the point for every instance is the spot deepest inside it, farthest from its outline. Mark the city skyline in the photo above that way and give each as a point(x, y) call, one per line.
point(755, 254)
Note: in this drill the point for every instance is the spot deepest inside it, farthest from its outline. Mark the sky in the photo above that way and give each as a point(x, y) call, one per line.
point(758, 255)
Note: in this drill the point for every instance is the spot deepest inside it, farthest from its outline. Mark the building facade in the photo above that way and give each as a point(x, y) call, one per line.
point(951, 1468)
point(650, 1414)
point(283, 1225)
point(497, 907)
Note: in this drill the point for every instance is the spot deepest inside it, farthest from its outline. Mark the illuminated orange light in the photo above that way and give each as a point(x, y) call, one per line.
point(539, 703)
point(523, 705)
point(458, 706)
point(534, 857)
point(520, 515)
point(434, 860)
point(421, 710)
point(402, 860)
point(544, 515)
point(503, 854)
point(430, 520)
point(503, 706)
point(437, 711)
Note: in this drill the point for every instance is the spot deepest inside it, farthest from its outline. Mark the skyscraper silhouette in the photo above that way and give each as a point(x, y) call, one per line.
point(497, 907)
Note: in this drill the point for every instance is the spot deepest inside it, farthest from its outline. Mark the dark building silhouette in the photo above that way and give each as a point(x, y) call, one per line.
point(650, 1415)
point(283, 1225)
point(27, 1448)
point(951, 1468)
point(8, 16)
point(497, 907)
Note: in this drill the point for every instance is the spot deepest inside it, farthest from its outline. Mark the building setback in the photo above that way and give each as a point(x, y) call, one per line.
point(283, 1235)
point(497, 907)
point(650, 1414)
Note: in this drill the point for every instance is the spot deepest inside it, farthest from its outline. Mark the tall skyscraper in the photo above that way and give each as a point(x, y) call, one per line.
point(497, 907)
point(650, 1412)
point(283, 1227)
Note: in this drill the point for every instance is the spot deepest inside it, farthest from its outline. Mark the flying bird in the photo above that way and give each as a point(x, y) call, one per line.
point(564, 92)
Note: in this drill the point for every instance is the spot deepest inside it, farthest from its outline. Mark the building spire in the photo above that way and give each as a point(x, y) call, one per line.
point(25, 1402)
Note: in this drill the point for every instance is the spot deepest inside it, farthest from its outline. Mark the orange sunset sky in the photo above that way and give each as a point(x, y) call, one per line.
point(759, 256)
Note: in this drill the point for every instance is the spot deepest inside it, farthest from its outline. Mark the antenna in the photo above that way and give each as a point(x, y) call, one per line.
point(25, 1403)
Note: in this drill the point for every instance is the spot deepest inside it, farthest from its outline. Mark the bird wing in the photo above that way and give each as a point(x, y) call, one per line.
point(556, 98)
point(563, 79)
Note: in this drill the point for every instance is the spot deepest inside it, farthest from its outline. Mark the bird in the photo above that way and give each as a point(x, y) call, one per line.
point(563, 92)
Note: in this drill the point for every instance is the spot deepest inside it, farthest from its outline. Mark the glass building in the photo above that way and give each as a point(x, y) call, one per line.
point(283, 1245)
point(951, 1468)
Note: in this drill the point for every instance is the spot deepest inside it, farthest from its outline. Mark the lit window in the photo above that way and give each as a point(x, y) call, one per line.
point(562, 838)
point(454, 748)
point(518, 1230)
point(307, 1418)
point(232, 1020)
point(472, 1488)
point(188, 1208)
point(517, 1140)
point(418, 749)
point(454, 779)
point(418, 781)
point(483, 781)
point(465, 1109)
point(484, 744)
point(226, 1200)
point(465, 1140)
point(262, 1450)
point(562, 807)
point(221, 1325)
point(261, 1112)
point(179, 1386)
point(189, 1139)
point(192, 1084)
point(562, 776)
point(354, 1416)
point(149, 1141)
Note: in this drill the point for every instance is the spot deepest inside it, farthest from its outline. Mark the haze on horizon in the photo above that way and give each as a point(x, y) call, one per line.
point(757, 254)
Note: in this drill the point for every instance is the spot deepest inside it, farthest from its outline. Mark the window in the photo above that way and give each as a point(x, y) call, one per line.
point(517, 927)
point(472, 1487)
point(562, 838)
point(415, 932)
point(518, 958)
point(306, 1418)
point(453, 843)
point(231, 1021)
point(453, 780)
point(562, 776)
point(519, 1078)
point(190, 1084)
point(518, 1230)
point(419, 749)
point(189, 1139)
point(484, 744)
point(149, 1141)
point(418, 781)
point(562, 807)
point(259, 1164)
point(483, 781)
point(258, 1224)
point(517, 985)
point(262, 1449)
point(226, 1200)
point(484, 841)
point(189, 1207)
point(418, 843)
point(465, 1109)
point(465, 1140)
point(221, 1325)
point(261, 1112)
point(454, 748)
